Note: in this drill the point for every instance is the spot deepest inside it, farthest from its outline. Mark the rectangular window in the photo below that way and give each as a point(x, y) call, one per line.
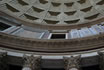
point(3, 26)
point(58, 36)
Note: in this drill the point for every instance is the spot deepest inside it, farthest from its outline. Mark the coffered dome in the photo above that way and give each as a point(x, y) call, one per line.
point(55, 11)
point(49, 23)
point(51, 34)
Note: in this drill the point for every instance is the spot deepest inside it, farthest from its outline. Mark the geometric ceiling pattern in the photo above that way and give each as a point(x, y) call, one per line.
point(55, 11)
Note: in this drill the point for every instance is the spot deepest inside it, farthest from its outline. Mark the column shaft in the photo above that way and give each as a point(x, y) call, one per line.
point(3, 61)
point(101, 60)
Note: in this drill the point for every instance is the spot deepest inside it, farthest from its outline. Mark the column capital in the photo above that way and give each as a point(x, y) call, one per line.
point(72, 63)
point(33, 62)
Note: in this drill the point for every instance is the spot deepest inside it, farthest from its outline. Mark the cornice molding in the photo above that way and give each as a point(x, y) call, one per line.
point(52, 46)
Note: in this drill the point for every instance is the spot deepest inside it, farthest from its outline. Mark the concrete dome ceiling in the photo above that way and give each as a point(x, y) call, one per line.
point(55, 11)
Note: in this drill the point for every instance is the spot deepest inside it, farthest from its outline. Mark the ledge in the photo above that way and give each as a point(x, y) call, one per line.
point(52, 46)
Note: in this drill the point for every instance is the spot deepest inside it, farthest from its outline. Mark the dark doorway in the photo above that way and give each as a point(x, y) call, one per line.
point(14, 67)
point(58, 36)
point(95, 67)
point(52, 69)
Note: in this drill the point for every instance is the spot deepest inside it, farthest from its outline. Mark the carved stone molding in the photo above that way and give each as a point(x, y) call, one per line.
point(3, 61)
point(32, 63)
point(72, 63)
point(101, 60)
point(44, 45)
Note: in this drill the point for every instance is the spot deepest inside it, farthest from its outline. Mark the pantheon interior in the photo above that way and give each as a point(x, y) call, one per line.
point(51, 34)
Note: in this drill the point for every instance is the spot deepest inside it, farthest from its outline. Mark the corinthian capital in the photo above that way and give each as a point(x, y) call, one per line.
point(72, 63)
point(33, 62)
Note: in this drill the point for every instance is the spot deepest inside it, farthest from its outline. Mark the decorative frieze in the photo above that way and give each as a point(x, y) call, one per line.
point(41, 45)
point(72, 63)
point(32, 62)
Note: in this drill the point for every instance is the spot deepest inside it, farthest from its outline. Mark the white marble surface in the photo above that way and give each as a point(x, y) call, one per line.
point(26, 68)
point(74, 33)
point(73, 69)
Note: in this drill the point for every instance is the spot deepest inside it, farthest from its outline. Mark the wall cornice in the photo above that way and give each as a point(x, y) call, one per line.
point(52, 46)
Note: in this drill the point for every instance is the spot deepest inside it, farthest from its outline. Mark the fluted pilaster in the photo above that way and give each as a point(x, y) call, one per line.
point(72, 63)
point(3, 61)
point(101, 60)
point(32, 63)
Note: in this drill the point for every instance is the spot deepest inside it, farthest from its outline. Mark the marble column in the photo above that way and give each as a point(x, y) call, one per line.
point(32, 62)
point(3, 61)
point(72, 63)
point(101, 60)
